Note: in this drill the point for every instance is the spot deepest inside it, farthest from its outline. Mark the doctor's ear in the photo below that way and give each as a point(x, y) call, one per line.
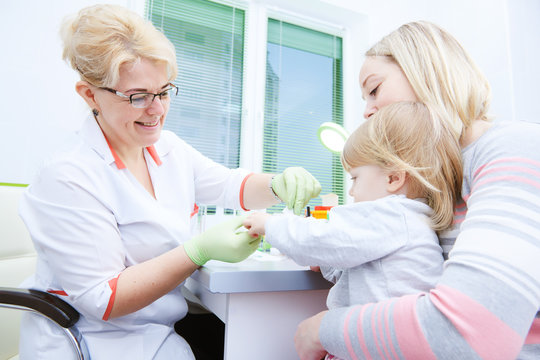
point(86, 91)
point(396, 181)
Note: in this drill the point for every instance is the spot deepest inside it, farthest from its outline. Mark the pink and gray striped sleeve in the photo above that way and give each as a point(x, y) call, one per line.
point(486, 303)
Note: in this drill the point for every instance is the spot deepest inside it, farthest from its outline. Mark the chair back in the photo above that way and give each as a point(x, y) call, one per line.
point(17, 262)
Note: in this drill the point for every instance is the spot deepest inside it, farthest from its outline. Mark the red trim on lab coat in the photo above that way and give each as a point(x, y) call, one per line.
point(120, 164)
point(153, 153)
point(57, 292)
point(195, 210)
point(242, 192)
point(112, 285)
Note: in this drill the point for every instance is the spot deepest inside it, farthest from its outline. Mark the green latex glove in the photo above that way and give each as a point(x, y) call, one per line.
point(222, 242)
point(296, 186)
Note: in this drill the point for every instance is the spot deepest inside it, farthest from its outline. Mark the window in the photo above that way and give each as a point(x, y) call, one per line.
point(303, 88)
point(209, 42)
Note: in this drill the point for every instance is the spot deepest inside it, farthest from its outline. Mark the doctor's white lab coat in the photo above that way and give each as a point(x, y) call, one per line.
point(90, 218)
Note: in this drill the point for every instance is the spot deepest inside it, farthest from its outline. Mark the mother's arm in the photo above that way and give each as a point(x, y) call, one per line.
point(489, 294)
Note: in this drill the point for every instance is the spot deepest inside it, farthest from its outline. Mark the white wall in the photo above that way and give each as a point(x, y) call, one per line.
point(524, 39)
point(482, 32)
point(40, 106)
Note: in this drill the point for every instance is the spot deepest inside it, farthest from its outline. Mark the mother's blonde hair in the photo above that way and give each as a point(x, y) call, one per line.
point(439, 70)
point(410, 137)
point(101, 38)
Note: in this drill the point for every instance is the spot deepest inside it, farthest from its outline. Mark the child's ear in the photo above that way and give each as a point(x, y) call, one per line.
point(396, 181)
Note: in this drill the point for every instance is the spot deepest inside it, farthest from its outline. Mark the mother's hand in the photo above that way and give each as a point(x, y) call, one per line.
point(306, 339)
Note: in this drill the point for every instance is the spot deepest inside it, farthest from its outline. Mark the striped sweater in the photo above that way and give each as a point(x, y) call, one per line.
point(485, 304)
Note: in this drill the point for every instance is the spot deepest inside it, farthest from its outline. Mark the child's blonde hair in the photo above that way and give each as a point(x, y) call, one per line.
point(101, 38)
point(410, 137)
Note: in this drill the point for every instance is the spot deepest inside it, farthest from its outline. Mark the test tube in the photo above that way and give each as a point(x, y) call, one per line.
point(201, 219)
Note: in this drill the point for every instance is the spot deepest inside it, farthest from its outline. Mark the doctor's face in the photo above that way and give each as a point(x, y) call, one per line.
point(369, 182)
point(125, 126)
point(383, 82)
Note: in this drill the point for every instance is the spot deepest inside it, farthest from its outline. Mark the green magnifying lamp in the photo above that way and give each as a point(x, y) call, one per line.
point(332, 136)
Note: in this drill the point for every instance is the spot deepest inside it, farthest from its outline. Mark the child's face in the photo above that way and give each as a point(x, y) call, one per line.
point(369, 183)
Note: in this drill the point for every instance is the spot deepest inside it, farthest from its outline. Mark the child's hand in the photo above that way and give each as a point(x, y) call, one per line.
point(255, 222)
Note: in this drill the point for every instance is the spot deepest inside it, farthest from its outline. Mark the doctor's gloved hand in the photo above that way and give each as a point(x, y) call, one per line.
point(295, 186)
point(222, 242)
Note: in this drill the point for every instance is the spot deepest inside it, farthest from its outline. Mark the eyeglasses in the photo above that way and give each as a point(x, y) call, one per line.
point(143, 100)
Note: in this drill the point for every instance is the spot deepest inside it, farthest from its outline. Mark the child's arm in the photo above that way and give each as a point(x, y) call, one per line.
point(255, 223)
point(354, 234)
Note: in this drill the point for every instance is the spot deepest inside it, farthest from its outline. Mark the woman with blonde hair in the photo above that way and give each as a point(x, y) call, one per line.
point(405, 165)
point(485, 305)
point(111, 218)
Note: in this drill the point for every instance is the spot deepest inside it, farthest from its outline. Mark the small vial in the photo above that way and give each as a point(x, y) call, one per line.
point(264, 246)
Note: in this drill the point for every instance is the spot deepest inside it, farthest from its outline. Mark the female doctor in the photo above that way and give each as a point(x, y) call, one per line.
point(111, 217)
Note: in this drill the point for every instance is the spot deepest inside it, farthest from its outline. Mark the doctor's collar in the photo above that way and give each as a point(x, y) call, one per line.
point(119, 163)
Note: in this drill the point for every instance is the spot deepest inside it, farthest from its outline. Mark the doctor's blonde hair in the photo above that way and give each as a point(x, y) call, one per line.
point(99, 39)
point(439, 70)
point(410, 137)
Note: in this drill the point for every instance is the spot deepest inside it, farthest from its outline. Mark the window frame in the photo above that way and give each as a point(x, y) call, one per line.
point(257, 16)
point(352, 27)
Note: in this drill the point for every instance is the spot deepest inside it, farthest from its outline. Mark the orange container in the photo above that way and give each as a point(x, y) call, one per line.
point(319, 214)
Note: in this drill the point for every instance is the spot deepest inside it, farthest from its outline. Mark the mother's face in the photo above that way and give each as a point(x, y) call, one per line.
point(383, 83)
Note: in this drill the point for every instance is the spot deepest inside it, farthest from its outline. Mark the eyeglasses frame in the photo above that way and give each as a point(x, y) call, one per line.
point(129, 97)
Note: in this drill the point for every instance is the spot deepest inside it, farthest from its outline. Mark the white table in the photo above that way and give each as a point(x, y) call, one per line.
point(261, 301)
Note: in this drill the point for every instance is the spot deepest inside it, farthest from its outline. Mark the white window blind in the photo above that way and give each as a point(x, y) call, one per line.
point(209, 42)
point(303, 90)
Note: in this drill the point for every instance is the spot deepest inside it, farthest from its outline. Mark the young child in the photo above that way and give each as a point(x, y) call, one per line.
point(405, 166)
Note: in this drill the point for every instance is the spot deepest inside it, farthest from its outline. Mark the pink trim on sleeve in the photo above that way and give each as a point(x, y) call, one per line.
point(514, 179)
point(242, 192)
point(505, 160)
point(359, 331)
point(376, 328)
point(389, 343)
point(412, 342)
point(478, 326)
point(410, 338)
point(112, 285)
point(533, 337)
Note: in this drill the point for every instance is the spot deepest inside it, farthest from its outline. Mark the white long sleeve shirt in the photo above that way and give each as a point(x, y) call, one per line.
point(371, 250)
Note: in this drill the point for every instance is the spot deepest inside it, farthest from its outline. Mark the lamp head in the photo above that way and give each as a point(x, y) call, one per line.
point(333, 136)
